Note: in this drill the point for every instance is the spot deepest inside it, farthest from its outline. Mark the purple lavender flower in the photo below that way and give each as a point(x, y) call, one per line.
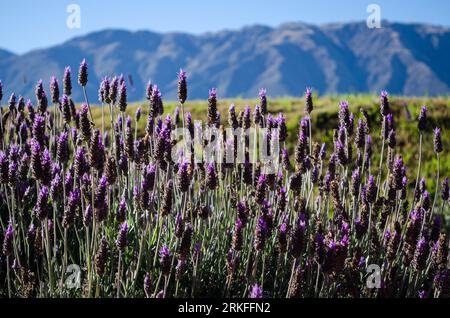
point(281, 121)
point(100, 202)
point(12, 103)
point(185, 243)
point(121, 211)
point(121, 241)
point(183, 177)
point(56, 187)
point(304, 127)
point(85, 123)
point(121, 79)
point(422, 185)
point(62, 153)
point(67, 82)
point(356, 182)
point(260, 234)
point(368, 150)
point(12, 173)
point(80, 164)
point(384, 103)
point(371, 190)
point(166, 205)
point(270, 121)
point(422, 118)
point(54, 89)
point(237, 235)
point(155, 102)
point(1, 91)
point(4, 168)
point(308, 101)
point(101, 257)
point(71, 209)
point(389, 122)
point(137, 115)
point(344, 114)
point(212, 107)
point(257, 119)
point(263, 101)
point(387, 236)
point(87, 216)
point(421, 254)
point(232, 119)
point(360, 134)
point(179, 225)
point(362, 262)
point(96, 151)
point(103, 91)
point(41, 207)
point(182, 86)
point(437, 141)
point(256, 292)
point(397, 172)
point(39, 90)
point(122, 103)
point(436, 228)
point(83, 73)
point(246, 121)
point(298, 237)
point(211, 176)
point(46, 164)
point(65, 107)
point(340, 152)
point(426, 201)
point(31, 232)
point(164, 260)
point(391, 139)
point(261, 189)
point(149, 90)
point(113, 89)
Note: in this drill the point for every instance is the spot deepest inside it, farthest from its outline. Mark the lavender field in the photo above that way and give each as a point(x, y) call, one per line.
point(97, 203)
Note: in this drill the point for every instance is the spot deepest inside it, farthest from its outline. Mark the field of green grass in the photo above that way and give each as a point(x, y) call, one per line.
point(325, 118)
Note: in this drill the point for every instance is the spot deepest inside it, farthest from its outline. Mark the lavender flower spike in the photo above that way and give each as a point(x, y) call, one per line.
point(422, 118)
point(384, 103)
point(308, 101)
point(122, 97)
point(54, 89)
point(83, 73)
point(263, 101)
point(67, 82)
point(212, 107)
point(164, 260)
point(256, 292)
point(437, 141)
point(121, 241)
point(182, 86)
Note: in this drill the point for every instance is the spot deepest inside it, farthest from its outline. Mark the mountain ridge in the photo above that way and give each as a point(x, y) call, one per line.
point(405, 59)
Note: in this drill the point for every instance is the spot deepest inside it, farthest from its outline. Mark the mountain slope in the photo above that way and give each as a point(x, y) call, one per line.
point(408, 59)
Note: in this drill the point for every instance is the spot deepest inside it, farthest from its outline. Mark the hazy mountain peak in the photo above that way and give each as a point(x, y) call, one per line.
point(410, 59)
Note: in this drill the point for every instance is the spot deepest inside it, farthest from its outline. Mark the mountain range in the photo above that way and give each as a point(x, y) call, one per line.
point(405, 59)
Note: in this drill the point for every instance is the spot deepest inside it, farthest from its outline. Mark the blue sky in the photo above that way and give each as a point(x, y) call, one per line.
point(27, 25)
